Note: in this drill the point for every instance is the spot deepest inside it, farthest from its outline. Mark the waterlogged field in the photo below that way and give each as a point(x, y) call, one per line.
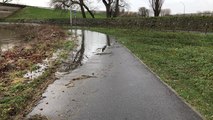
point(183, 60)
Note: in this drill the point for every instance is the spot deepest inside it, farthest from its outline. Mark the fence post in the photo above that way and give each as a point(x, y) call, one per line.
point(189, 27)
point(206, 28)
point(174, 26)
point(160, 26)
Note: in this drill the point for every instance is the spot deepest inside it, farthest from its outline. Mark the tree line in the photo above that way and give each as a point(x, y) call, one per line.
point(113, 7)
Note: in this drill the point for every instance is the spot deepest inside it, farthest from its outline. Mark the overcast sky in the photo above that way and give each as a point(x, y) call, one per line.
point(176, 6)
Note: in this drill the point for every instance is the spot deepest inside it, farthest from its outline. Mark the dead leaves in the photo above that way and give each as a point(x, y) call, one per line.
point(40, 45)
point(83, 77)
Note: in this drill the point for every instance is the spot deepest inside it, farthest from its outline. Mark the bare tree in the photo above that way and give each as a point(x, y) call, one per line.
point(119, 5)
point(113, 7)
point(143, 12)
point(64, 4)
point(156, 6)
point(116, 11)
point(82, 8)
point(108, 5)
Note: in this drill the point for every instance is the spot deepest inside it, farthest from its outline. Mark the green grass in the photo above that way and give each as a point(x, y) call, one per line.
point(183, 60)
point(39, 13)
point(42, 13)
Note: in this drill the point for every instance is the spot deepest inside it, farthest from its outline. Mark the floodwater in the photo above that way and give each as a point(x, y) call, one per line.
point(8, 39)
point(89, 44)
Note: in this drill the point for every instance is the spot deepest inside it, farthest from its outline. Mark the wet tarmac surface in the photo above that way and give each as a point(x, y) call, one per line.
point(111, 85)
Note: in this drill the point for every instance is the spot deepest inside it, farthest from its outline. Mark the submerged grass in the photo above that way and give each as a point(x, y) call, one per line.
point(183, 60)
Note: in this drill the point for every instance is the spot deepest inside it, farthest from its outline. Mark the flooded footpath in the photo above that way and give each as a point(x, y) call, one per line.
point(89, 46)
point(109, 84)
point(32, 57)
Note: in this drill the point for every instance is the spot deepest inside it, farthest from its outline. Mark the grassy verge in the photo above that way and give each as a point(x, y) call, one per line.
point(183, 60)
point(41, 13)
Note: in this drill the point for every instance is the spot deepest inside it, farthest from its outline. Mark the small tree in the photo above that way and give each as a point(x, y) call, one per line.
point(113, 7)
point(143, 12)
point(156, 6)
point(64, 4)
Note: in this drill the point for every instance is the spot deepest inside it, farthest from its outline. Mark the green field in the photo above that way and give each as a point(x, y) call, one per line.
point(42, 13)
point(183, 60)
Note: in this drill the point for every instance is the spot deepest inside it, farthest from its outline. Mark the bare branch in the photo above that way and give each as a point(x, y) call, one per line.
point(6, 1)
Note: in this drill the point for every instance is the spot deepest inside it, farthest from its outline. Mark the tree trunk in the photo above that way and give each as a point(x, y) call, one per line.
point(90, 12)
point(108, 8)
point(108, 11)
point(116, 13)
point(156, 6)
point(82, 9)
point(81, 3)
point(157, 13)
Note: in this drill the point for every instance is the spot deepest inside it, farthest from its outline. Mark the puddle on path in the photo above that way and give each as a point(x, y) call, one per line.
point(89, 44)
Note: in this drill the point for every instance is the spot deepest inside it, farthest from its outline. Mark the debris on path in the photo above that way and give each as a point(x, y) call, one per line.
point(83, 77)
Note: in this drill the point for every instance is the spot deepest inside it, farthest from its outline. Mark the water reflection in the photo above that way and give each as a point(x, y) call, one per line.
point(90, 43)
point(79, 55)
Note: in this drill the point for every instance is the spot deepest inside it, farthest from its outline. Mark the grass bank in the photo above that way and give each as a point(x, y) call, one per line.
point(42, 14)
point(183, 60)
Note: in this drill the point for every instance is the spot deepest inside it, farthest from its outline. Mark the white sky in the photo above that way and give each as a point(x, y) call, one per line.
point(176, 6)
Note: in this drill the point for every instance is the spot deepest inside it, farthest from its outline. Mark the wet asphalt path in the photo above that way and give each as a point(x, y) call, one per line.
point(122, 88)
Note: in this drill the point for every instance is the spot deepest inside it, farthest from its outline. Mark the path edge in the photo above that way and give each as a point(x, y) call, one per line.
point(164, 83)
